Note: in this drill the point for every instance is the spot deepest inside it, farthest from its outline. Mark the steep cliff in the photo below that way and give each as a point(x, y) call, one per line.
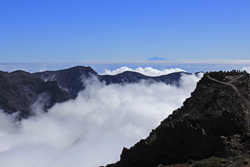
point(19, 90)
point(214, 121)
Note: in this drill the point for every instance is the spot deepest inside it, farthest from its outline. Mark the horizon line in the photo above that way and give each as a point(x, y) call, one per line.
point(213, 61)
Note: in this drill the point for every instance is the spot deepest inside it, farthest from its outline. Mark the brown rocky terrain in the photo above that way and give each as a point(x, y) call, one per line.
point(213, 122)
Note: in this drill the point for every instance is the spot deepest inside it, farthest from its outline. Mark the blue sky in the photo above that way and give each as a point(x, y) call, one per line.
point(105, 30)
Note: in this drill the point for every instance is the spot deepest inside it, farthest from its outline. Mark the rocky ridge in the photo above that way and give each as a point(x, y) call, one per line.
point(19, 90)
point(214, 121)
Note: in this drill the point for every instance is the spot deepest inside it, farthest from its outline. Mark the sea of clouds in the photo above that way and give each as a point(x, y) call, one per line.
point(91, 130)
point(149, 71)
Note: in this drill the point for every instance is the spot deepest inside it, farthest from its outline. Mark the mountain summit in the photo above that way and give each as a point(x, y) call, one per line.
point(156, 58)
point(214, 121)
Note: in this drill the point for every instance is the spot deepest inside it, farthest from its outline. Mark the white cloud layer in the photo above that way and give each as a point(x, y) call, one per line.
point(91, 130)
point(246, 68)
point(149, 71)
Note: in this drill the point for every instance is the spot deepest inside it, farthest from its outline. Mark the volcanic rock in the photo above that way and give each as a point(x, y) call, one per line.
point(214, 121)
point(70, 79)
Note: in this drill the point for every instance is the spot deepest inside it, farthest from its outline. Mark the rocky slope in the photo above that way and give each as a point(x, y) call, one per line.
point(214, 121)
point(20, 89)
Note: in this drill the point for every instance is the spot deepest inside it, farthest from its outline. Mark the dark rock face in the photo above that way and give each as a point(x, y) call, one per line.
point(19, 89)
point(12, 84)
point(134, 77)
point(214, 121)
point(70, 79)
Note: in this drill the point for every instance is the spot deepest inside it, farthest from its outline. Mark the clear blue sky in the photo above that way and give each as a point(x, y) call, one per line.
point(93, 30)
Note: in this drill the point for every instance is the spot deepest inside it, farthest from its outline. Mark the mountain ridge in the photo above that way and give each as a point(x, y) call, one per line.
point(19, 90)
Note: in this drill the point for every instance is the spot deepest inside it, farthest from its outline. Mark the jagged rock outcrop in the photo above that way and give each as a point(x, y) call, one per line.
point(214, 121)
point(20, 89)
point(70, 79)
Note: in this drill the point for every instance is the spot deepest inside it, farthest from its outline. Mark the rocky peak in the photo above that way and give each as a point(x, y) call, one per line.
point(214, 121)
point(70, 79)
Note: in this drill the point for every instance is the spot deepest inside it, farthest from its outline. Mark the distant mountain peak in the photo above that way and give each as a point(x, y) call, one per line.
point(156, 58)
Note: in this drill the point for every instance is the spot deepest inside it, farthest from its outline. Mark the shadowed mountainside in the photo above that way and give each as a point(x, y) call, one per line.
point(20, 89)
point(214, 121)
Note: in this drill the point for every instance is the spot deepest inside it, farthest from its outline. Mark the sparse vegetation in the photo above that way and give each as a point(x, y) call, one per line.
point(185, 116)
point(218, 162)
point(235, 158)
point(210, 162)
point(151, 139)
point(245, 161)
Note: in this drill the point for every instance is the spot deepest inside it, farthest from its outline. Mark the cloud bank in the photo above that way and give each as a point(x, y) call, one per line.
point(91, 130)
point(246, 68)
point(149, 71)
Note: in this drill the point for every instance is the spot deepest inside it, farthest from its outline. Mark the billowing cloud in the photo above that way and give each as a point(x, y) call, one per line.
point(246, 68)
point(149, 71)
point(91, 130)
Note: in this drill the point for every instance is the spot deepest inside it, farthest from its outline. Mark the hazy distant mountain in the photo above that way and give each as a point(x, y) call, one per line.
point(156, 58)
